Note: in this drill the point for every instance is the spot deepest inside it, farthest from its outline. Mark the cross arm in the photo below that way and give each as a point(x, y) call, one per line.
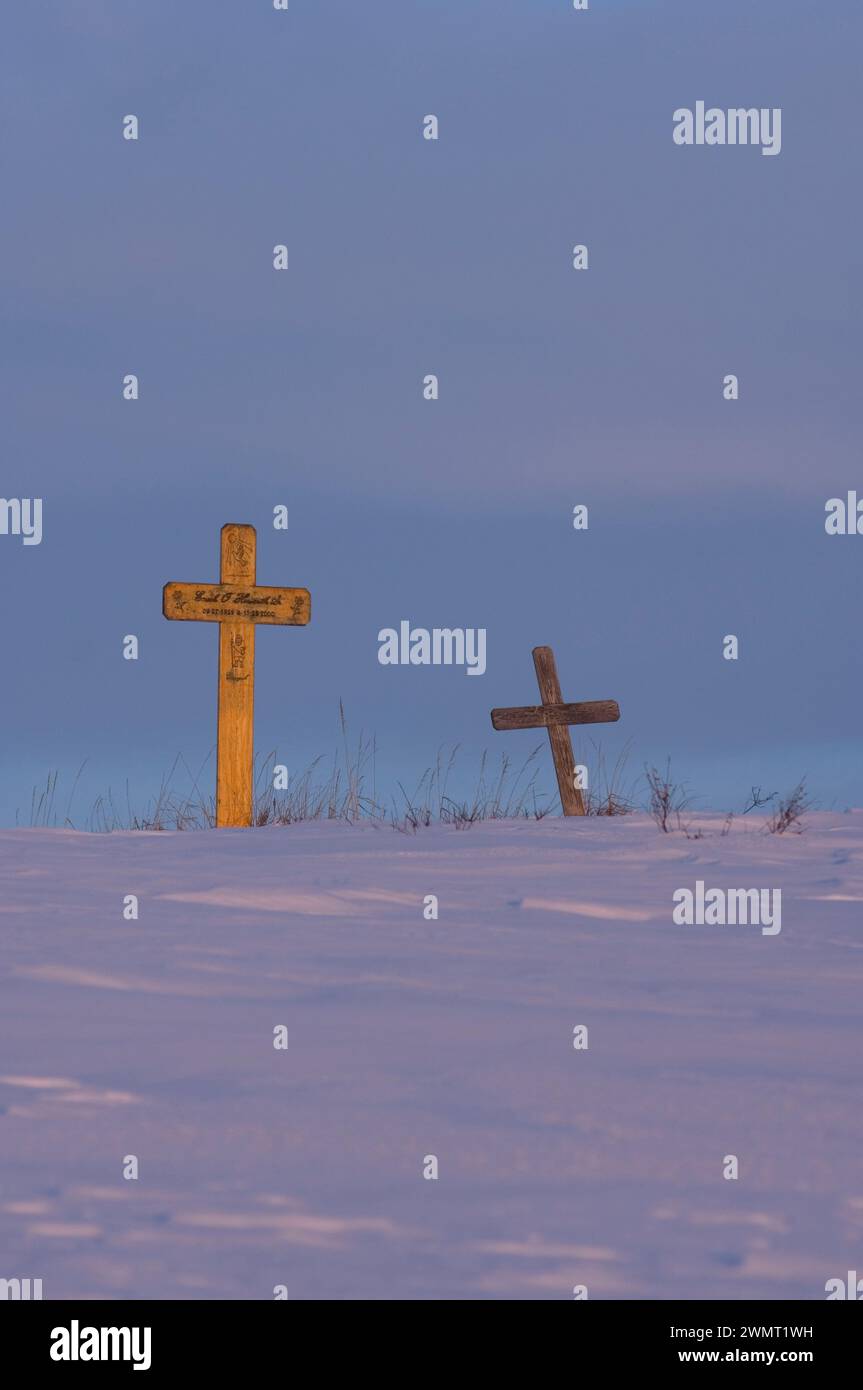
point(250, 603)
point(547, 716)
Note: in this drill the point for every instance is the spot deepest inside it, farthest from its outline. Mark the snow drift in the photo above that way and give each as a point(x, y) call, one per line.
point(558, 1166)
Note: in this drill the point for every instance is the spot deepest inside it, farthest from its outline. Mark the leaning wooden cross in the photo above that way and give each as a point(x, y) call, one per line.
point(236, 603)
point(555, 716)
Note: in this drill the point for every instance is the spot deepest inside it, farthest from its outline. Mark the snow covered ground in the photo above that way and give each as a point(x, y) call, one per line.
point(408, 1038)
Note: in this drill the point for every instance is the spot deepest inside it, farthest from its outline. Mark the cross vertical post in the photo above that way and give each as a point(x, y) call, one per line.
point(237, 603)
point(235, 746)
point(571, 798)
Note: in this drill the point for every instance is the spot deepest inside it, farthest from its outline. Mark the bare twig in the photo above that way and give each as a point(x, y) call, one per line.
point(788, 814)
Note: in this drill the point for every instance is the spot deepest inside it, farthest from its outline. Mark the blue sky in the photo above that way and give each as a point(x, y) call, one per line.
point(409, 257)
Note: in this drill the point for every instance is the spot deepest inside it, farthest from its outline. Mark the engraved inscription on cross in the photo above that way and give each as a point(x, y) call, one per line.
point(236, 603)
point(555, 716)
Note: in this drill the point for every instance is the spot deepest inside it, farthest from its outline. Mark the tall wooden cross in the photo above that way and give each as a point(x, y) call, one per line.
point(555, 716)
point(236, 603)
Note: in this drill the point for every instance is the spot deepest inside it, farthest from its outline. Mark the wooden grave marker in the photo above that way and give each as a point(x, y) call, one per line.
point(555, 716)
point(236, 603)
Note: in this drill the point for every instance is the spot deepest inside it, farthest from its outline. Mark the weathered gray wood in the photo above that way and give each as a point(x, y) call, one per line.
point(555, 716)
point(545, 716)
point(571, 798)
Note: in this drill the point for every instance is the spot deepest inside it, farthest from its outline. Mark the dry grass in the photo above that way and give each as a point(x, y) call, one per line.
point(666, 798)
point(343, 788)
point(606, 793)
point(790, 810)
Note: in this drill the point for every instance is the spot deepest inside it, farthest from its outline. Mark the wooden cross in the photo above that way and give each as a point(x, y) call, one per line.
point(236, 603)
point(555, 716)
